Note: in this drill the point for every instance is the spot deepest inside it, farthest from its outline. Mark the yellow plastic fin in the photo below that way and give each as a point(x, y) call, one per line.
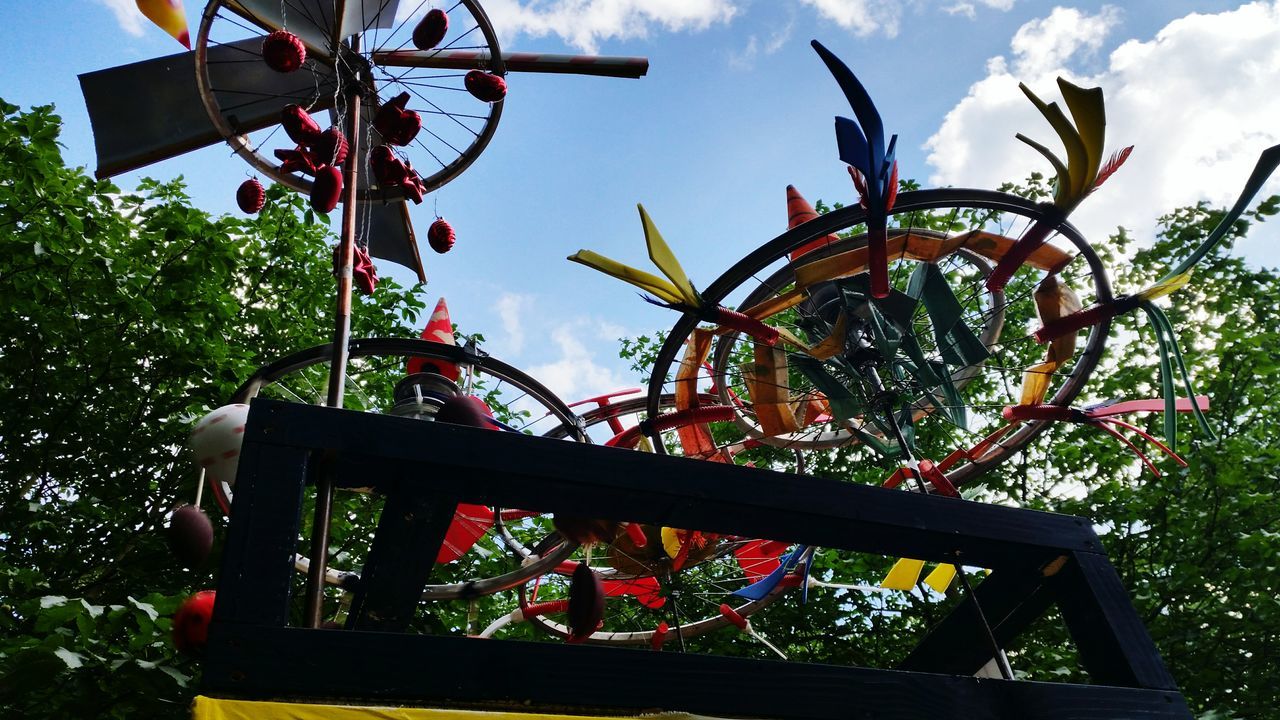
point(833, 344)
point(645, 281)
point(1077, 158)
point(662, 256)
point(1173, 284)
point(903, 575)
point(671, 542)
point(941, 577)
point(1063, 190)
point(1090, 116)
point(1054, 300)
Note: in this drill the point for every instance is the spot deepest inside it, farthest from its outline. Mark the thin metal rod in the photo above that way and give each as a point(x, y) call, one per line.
point(1002, 661)
point(338, 363)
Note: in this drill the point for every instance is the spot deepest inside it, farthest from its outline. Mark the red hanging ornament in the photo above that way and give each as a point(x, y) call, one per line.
point(485, 86)
point(363, 273)
point(301, 127)
point(414, 188)
point(298, 159)
point(430, 30)
point(406, 128)
point(191, 622)
point(326, 189)
point(440, 236)
point(331, 147)
point(190, 536)
point(283, 51)
point(388, 118)
point(388, 169)
point(250, 196)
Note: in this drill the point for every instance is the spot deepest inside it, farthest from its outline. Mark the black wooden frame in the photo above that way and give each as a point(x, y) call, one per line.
point(1038, 560)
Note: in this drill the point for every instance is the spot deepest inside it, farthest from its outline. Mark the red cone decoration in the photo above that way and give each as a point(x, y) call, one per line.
point(430, 30)
point(190, 536)
point(439, 329)
point(326, 190)
point(300, 126)
point(283, 51)
point(298, 159)
point(440, 236)
point(799, 211)
point(191, 622)
point(396, 124)
point(586, 603)
point(331, 147)
point(250, 196)
point(485, 86)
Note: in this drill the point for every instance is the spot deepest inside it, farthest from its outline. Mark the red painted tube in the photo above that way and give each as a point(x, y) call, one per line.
point(1088, 317)
point(733, 616)
point(878, 262)
point(546, 608)
point(743, 323)
point(1044, 412)
point(659, 636)
point(635, 531)
point(1035, 236)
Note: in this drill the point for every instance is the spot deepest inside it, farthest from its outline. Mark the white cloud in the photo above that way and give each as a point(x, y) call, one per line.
point(510, 308)
point(1198, 101)
point(863, 17)
point(127, 15)
point(575, 374)
point(585, 23)
point(746, 59)
point(961, 8)
point(1005, 5)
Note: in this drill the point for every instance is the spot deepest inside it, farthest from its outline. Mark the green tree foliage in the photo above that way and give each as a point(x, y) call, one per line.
point(128, 316)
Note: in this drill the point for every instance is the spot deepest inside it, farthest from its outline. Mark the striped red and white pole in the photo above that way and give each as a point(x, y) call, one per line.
point(601, 65)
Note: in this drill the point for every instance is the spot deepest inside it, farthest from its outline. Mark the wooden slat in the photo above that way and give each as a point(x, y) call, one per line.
point(392, 668)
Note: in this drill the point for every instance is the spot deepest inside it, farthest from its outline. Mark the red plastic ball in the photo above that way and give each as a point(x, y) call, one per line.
point(326, 189)
point(191, 622)
point(485, 86)
point(460, 410)
point(283, 51)
point(250, 196)
point(440, 236)
point(430, 30)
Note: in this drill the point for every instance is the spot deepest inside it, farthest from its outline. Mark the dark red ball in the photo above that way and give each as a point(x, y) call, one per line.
point(440, 236)
point(460, 410)
point(387, 119)
point(191, 622)
point(485, 86)
point(430, 30)
point(283, 51)
point(331, 147)
point(250, 196)
point(586, 603)
point(190, 535)
point(326, 189)
point(406, 128)
point(300, 126)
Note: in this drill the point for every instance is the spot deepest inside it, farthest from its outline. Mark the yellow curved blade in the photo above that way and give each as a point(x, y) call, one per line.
point(645, 281)
point(1077, 158)
point(1062, 192)
point(1161, 289)
point(1089, 113)
point(662, 256)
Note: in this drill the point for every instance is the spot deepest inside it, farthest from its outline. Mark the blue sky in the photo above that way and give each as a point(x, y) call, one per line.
point(735, 107)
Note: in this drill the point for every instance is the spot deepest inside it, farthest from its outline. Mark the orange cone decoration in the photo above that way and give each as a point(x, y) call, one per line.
point(799, 211)
point(169, 16)
point(439, 329)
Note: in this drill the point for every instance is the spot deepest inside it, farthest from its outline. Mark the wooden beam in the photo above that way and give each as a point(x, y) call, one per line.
point(387, 668)
point(514, 470)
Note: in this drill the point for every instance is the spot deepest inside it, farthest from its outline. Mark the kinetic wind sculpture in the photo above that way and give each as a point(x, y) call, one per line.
point(883, 341)
point(261, 66)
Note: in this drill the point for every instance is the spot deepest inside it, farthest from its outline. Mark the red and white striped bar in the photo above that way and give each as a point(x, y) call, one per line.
point(602, 65)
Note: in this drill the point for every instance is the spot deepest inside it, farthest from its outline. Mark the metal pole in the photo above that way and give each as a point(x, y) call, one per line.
point(338, 363)
point(1002, 661)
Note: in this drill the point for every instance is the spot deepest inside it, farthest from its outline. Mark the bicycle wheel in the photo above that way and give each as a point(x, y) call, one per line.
point(477, 561)
point(340, 54)
point(662, 584)
point(930, 366)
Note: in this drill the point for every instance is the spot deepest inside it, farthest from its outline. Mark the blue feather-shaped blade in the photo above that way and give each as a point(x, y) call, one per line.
point(853, 145)
point(765, 585)
point(860, 101)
